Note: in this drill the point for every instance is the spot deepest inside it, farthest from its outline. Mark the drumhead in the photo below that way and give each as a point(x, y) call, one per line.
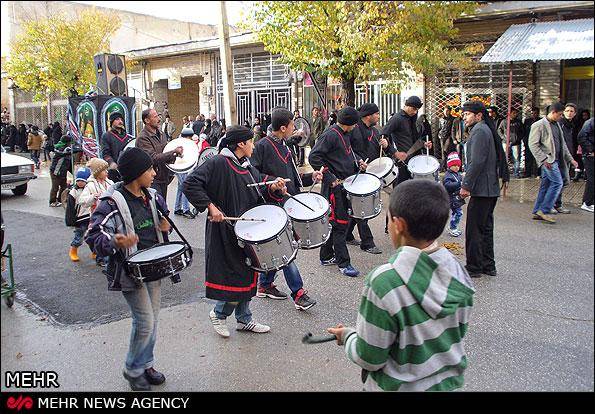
point(255, 231)
point(380, 167)
point(190, 155)
point(423, 164)
point(365, 184)
point(206, 154)
point(302, 129)
point(130, 144)
point(315, 201)
point(157, 252)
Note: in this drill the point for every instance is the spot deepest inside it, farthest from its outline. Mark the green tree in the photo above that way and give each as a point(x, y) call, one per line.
point(363, 40)
point(56, 54)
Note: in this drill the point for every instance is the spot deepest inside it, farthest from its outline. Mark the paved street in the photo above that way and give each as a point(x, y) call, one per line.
point(531, 328)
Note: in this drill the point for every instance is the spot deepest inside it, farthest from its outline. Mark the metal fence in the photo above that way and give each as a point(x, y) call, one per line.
point(36, 113)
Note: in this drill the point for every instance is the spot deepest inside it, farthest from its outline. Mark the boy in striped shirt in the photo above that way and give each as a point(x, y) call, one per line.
point(414, 309)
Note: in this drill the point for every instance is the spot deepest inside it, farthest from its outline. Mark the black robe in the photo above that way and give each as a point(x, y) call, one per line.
point(364, 141)
point(223, 182)
point(273, 157)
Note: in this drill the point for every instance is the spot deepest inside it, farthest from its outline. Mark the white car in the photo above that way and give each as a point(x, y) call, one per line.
point(16, 172)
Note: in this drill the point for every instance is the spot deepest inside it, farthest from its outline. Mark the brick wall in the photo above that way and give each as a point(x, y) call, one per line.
point(184, 101)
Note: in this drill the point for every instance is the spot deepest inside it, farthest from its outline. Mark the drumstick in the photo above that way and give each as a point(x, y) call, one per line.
point(321, 169)
point(311, 339)
point(267, 182)
point(241, 219)
point(303, 204)
point(360, 170)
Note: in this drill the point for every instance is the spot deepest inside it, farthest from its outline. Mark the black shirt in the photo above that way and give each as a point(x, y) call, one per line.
point(557, 140)
point(142, 219)
point(402, 130)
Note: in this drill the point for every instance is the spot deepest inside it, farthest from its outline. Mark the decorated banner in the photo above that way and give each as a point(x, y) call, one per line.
point(88, 119)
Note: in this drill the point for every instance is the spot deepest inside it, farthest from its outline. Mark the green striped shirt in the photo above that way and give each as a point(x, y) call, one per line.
point(411, 322)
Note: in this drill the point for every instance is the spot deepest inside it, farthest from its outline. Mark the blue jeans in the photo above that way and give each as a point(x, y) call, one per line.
point(79, 232)
point(516, 159)
point(242, 310)
point(292, 277)
point(144, 304)
point(181, 200)
point(549, 188)
point(455, 218)
point(35, 157)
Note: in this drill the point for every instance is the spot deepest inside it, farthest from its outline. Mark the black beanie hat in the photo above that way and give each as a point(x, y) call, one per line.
point(368, 109)
point(348, 116)
point(115, 116)
point(414, 102)
point(474, 106)
point(132, 163)
point(237, 133)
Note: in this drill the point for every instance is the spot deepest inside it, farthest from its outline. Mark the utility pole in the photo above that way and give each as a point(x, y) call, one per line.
point(229, 99)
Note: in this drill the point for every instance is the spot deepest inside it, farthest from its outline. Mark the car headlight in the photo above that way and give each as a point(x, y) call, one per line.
point(25, 169)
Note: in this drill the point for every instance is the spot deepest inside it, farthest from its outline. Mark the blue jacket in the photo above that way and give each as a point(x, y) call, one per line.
point(452, 182)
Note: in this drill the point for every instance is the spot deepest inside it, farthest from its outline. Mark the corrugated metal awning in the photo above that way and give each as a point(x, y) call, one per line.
point(559, 40)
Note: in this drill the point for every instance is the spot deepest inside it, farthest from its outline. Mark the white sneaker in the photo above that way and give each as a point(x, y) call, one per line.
point(253, 327)
point(588, 208)
point(220, 325)
point(454, 233)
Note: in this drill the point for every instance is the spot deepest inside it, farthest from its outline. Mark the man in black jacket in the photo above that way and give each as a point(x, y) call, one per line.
point(481, 182)
point(272, 156)
point(585, 140)
point(113, 142)
point(334, 152)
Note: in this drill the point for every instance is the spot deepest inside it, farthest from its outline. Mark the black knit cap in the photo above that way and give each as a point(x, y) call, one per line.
point(114, 116)
point(474, 106)
point(348, 116)
point(414, 102)
point(132, 163)
point(236, 134)
point(368, 109)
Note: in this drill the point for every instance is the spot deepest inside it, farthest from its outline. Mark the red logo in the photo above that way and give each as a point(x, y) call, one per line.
point(21, 402)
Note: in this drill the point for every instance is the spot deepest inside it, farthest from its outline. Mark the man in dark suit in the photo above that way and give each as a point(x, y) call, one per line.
point(481, 182)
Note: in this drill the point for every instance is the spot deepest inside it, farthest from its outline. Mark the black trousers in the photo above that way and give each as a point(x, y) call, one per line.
point(588, 194)
point(479, 235)
point(364, 233)
point(58, 185)
point(530, 164)
point(336, 244)
point(403, 176)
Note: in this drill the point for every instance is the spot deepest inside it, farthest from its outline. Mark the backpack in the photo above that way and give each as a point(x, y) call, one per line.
point(71, 213)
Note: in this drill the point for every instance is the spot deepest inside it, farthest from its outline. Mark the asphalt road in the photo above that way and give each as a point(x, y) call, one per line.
point(531, 328)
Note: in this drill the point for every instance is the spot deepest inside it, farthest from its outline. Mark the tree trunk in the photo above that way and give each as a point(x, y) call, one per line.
point(348, 91)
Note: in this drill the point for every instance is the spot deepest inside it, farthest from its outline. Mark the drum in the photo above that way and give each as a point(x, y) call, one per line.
point(131, 144)
point(157, 262)
point(311, 228)
point(269, 245)
point(206, 154)
point(423, 166)
point(189, 158)
point(385, 169)
point(302, 129)
point(364, 195)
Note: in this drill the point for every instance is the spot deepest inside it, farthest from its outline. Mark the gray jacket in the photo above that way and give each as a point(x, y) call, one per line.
point(541, 144)
point(481, 178)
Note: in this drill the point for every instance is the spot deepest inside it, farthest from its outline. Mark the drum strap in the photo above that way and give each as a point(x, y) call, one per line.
point(175, 228)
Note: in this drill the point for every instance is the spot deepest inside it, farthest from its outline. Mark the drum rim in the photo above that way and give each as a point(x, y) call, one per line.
point(391, 169)
point(189, 167)
point(327, 212)
point(185, 248)
point(366, 194)
point(287, 223)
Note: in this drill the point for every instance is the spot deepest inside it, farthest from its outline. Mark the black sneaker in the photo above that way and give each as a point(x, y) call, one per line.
point(353, 242)
point(271, 292)
point(154, 377)
point(179, 213)
point(188, 214)
point(137, 383)
point(490, 272)
point(303, 301)
point(373, 250)
point(330, 262)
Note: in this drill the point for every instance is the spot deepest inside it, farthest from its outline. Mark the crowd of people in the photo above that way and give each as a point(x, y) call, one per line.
point(117, 205)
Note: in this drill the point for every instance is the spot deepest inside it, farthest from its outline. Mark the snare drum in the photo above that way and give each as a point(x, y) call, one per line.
point(269, 245)
point(423, 166)
point(189, 158)
point(206, 154)
point(364, 195)
point(385, 169)
point(159, 261)
point(312, 228)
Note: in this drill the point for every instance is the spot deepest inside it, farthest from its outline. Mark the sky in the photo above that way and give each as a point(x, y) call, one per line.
point(206, 12)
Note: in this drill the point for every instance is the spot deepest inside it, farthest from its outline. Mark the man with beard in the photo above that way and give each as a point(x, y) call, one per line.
point(113, 142)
